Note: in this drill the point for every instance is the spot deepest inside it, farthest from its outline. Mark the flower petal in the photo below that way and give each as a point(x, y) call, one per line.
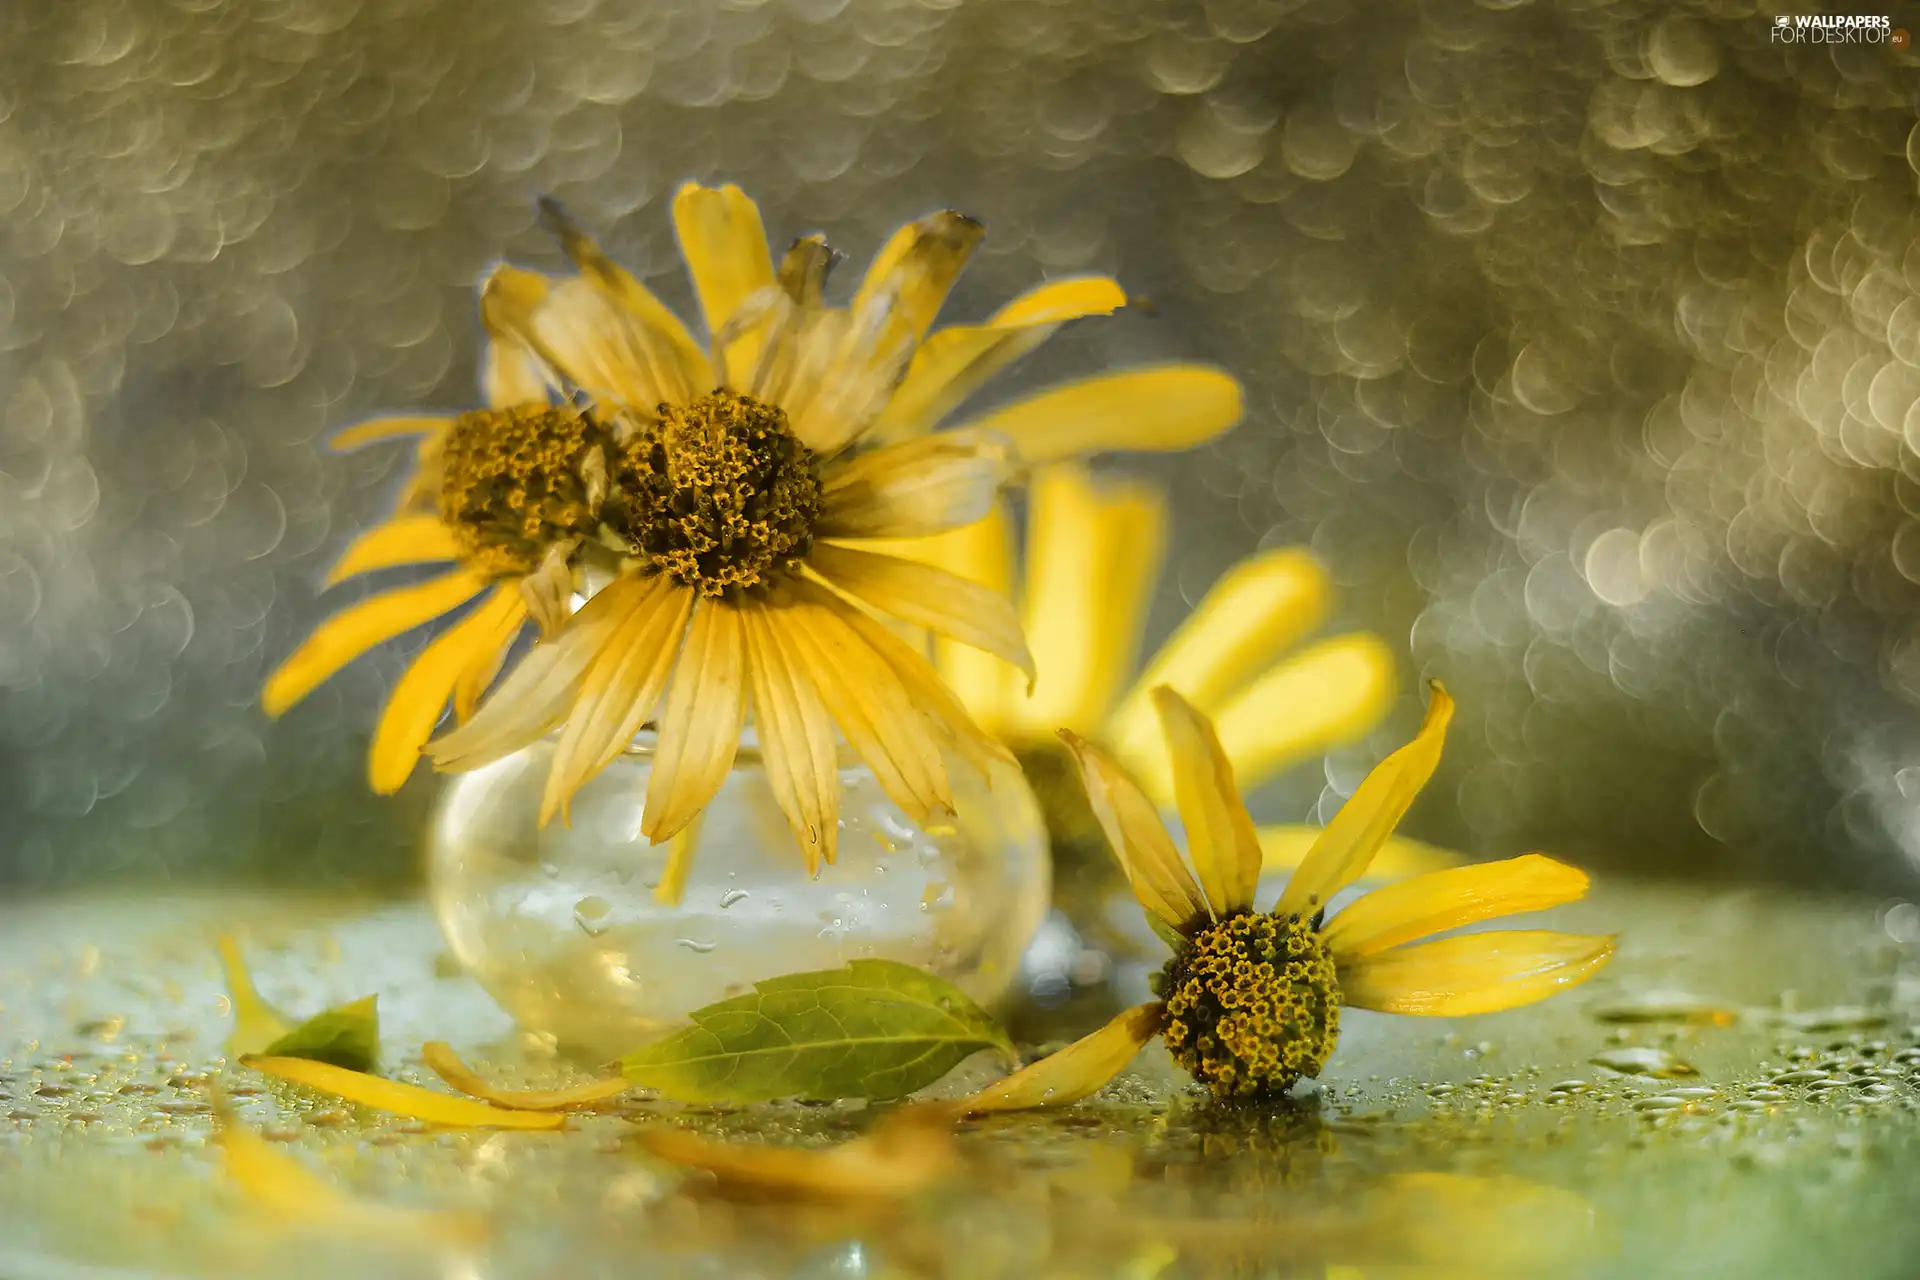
point(605, 351)
point(1258, 610)
point(447, 1065)
point(913, 273)
point(512, 375)
point(1166, 408)
point(957, 361)
point(925, 690)
point(478, 674)
point(1285, 847)
point(915, 488)
point(1364, 822)
point(377, 429)
point(353, 631)
point(905, 1152)
point(796, 737)
point(681, 846)
point(1474, 973)
point(1161, 882)
point(926, 597)
point(404, 540)
point(1078, 1071)
point(401, 1099)
point(256, 1024)
point(866, 699)
point(1220, 837)
point(725, 245)
point(675, 362)
point(1445, 900)
point(1093, 557)
point(1328, 694)
point(420, 697)
point(619, 691)
point(543, 686)
point(700, 728)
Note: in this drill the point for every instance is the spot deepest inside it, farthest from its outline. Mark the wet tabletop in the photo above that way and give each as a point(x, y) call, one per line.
point(1736, 1096)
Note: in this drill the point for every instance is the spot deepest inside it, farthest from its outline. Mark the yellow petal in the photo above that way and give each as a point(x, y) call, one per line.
point(1093, 557)
point(511, 375)
point(911, 276)
point(487, 660)
point(1220, 837)
point(700, 728)
point(351, 632)
point(1078, 1071)
point(1474, 973)
point(907, 1151)
point(927, 597)
point(796, 738)
point(604, 351)
point(725, 245)
point(406, 540)
point(1341, 854)
point(1159, 409)
point(377, 429)
point(1327, 695)
point(1160, 881)
point(420, 697)
point(1285, 847)
point(619, 691)
point(256, 1024)
point(278, 1184)
point(676, 363)
point(874, 711)
point(401, 1099)
point(915, 488)
point(447, 1065)
point(536, 698)
point(957, 361)
point(681, 847)
point(1258, 610)
point(925, 691)
point(1445, 900)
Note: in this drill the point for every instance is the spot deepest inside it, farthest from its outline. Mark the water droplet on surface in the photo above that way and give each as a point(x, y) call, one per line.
point(1836, 1018)
point(1664, 1006)
point(732, 896)
point(1636, 1060)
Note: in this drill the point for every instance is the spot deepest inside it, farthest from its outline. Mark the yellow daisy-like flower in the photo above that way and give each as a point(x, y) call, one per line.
point(1251, 1001)
point(713, 502)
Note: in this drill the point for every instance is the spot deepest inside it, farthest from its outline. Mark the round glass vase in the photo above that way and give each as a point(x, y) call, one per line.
point(581, 932)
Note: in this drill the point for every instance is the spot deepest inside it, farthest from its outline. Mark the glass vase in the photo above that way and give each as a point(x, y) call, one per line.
point(591, 936)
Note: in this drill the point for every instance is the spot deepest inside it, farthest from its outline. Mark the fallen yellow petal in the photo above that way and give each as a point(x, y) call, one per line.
point(909, 1150)
point(447, 1065)
point(256, 1024)
point(401, 1099)
point(1078, 1071)
point(280, 1185)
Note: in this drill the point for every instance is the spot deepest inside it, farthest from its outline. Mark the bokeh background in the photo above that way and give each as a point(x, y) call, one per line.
point(1582, 340)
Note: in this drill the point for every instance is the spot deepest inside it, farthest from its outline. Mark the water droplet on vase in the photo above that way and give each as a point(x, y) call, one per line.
point(550, 871)
point(732, 896)
point(591, 914)
point(694, 945)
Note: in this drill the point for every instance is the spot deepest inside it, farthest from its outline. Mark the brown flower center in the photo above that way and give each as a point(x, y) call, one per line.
point(1253, 1004)
point(515, 483)
point(719, 494)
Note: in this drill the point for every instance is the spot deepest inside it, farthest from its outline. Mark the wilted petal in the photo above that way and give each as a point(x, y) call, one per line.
point(447, 1065)
point(401, 1099)
point(796, 738)
point(700, 728)
point(906, 1152)
point(926, 597)
point(916, 488)
point(725, 245)
point(1220, 837)
point(1078, 1071)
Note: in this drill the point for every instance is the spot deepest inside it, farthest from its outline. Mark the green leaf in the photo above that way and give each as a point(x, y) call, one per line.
point(348, 1037)
point(875, 1029)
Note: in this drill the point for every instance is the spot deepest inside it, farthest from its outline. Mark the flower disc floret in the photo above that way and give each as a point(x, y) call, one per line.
point(513, 483)
point(1253, 1004)
point(718, 494)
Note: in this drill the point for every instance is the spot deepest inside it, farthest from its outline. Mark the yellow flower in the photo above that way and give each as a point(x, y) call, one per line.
point(1251, 1001)
point(712, 501)
point(1085, 576)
